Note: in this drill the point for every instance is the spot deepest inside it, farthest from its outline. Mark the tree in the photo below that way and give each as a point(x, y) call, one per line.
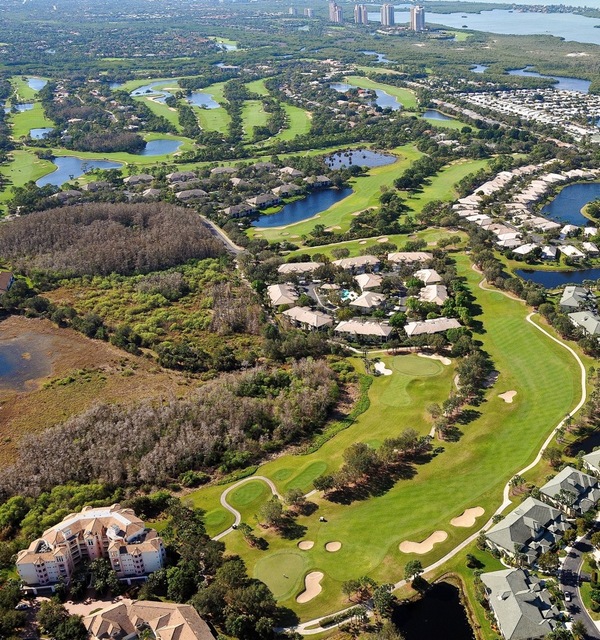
point(383, 600)
point(595, 540)
point(553, 455)
point(548, 562)
point(104, 579)
point(578, 630)
point(413, 569)
point(51, 615)
point(271, 513)
point(387, 632)
point(295, 498)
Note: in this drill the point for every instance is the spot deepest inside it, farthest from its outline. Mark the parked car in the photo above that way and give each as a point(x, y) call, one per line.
point(567, 596)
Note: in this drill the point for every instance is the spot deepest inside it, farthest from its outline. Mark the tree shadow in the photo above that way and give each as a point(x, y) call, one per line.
point(466, 416)
point(290, 529)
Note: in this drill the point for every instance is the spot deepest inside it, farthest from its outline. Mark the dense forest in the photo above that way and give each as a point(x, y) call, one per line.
point(100, 239)
point(228, 423)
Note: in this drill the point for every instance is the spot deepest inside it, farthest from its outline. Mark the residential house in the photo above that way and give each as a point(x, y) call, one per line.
point(591, 249)
point(359, 264)
point(549, 252)
point(125, 620)
point(263, 166)
point(573, 491)
point(368, 302)
point(181, 176)
point(525, 249)
point(409, 257)
point(433, 325)
point(6, 281)
point(100, 532)
point(364, 331)
point(281, 294)
point(569, 251)
point(287, 190)
point(368, 281)
point(220, 171)
point(298, 267)
point(308, 319)
point(531, 529)
point(68, 195)
point(140, 178)
point(290, 171)
point(151, 193)
point(520, 603)
point(191, 194)
point(100, 185)
point(318, 182)
point(238, 210)
point(428, 276)
point(264, 200)
point(575, 297)
point(185, 185)
point(436, 293)
point(588, 321)
point(592, 461)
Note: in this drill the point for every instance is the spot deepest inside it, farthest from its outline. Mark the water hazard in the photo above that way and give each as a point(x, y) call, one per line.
point(358, 157)
point(70, 168)
point(567, 205)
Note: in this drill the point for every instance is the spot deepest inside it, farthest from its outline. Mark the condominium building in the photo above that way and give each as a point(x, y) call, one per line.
point(417, 18)
point(361, 15)
point(104, 532)
point(335, 12)
point(308, 12)
point(387, 15)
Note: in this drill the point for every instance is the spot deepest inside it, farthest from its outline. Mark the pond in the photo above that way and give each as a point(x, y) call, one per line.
point(434, 114)
point(26, 106)
point(41, 133)
point(438, 614)
point(382, 99)
point(567, 205)
point(70, 168)
point(160, 147)
point(154, 91)
point(360, 157)
point(554, 279)
point(300, 210)
point(562, 82)
point(22, 360)
point(380, 56)
point(479, 68)
point(202, 99)
point(36, 83)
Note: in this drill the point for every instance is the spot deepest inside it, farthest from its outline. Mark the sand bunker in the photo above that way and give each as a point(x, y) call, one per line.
point(435, 356)
point(332, 547)
point(383, 370)
point(362, 242)
point(384, 239)
point(423, 547)
point(305, 545)
point(333, 228)
point(467, 517)
point(508, 396)
point(312, 587)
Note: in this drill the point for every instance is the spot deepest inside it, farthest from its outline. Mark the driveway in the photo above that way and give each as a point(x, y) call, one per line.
point(569, 580)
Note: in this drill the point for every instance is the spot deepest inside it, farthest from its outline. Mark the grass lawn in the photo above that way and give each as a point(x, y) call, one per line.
point(299, 122)
point(366, 194)
point(25, 120)
point(160, 109)
point(501, 439)
point(25, 166)
point(447, 124)
point(405, 96)
point(253, 115)
point(258, 86)
point(586, 590)
point(22, 89)
point(214, 119)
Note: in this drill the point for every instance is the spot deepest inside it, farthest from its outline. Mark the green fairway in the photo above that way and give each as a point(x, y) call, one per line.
point(299, 123)
point(253, 115)
point(501, 439)
point(366, 194)
point(214, 119)
point(24, 166)
point(447, 124)
point(24, 121)
point(258, 86)
point(160, 109)
point(405, 96)
point(23, 91)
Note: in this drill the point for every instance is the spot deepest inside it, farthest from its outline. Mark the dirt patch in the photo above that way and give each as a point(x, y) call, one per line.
point(508, 396)
point(306, 545)
point(312, 587)
point(79, 373)
point(332, 547)
point(467, 517)
point(423, 547)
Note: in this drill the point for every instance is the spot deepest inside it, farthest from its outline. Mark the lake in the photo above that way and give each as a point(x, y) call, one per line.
point(360, 157)
point(160, 147)
point(563, 25)
point(22, 360)
point(479, 68)
point(382, 99)
point(36, 83)
point(562, 82)
point(434, 114)
point(567, 205)
point(70, 168)
point(153, 91)
point(438, 614)
point(553, 279)
point(380, 56)
point(202, 99)
point(26, 106)
point(41, 133)
point(314, 203)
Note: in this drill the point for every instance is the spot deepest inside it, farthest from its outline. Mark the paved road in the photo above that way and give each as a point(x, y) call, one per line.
point(220, 235)
point(569, 580)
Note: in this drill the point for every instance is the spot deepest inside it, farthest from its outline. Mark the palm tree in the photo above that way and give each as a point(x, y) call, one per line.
point(578, 630)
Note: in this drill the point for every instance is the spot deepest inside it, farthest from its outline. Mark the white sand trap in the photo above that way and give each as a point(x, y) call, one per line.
point(362, 242)
point(312, 587)
point(423, 547)
point(467, 517)
point(508, 396)
point(333, 228)
point(294, 237)
point(383, 370)
point(332, 547)
point(305, 545)
point(382, 239)
point(435, 356)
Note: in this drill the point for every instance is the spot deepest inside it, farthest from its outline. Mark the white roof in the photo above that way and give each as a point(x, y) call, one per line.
point(368, 300)
point(571, 251)
point(523, 250)
point(364, 328)
point(435, 325)
point(281, 294)
point(409, 256)
point(358, 261)
point(434, 293)
point(368, 280)
point(428, 276)
point(307, 316)
point(298, 267)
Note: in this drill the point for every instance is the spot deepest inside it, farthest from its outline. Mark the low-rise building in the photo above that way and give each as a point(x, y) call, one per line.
point(359, 264)
point(140, 178)
point(281, 294)
point(191, 194)
point(520, 603)
point(308, 319)
point(126, 620)
point(181, 176)
point(569, 251)
point(436, 293)
point(368, 281)
point(574, 297)
point(409, 257)
point(588, 321)
point(368, 302)
point(264, 200)
point(238, 210)
point(103, 532)
point(530, 530)
point(364, 331)
point(6, 281)
point(298, 267)
point(573, 491)
point(428, 276)
point(592, 461)
point(433, 325)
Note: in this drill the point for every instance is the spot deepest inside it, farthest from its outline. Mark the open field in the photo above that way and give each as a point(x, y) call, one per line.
point(253, 115)
point(25, 120)
point(79, 372)
point(501, 439)
point(405, 96)
point(366, 194)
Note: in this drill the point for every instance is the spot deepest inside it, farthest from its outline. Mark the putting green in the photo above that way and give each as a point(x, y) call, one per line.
point(282, 474)
point(282, 572)
point(415, 366)
point(307, 475)
point(248, 494)
point(217, 520)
